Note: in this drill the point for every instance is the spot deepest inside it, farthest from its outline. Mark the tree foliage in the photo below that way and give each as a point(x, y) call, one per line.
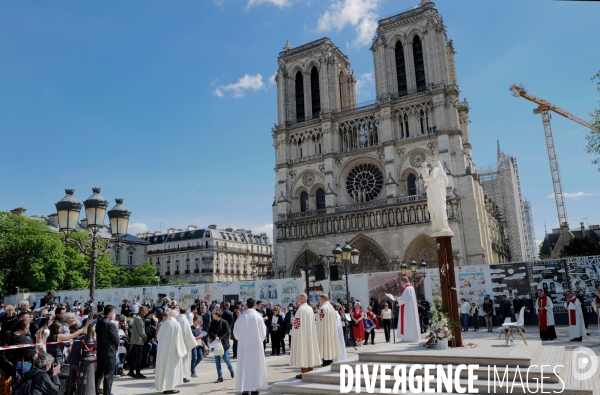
point(593, 137)
point(144, 274)
point(31, 255)
point(581, 246)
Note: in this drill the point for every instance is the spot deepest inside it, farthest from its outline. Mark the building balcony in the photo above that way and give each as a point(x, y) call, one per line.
point(207, 270)
point(358, 217)
point(197, 259)
point(218, 271)
point(167, 273)
point(187, 272)
point(176, 272)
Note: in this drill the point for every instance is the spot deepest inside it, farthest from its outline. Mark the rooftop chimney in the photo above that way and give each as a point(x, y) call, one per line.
point(18, 211)
point(157, 233)
point(53, 219)
point(192, 227)
point(212, 226)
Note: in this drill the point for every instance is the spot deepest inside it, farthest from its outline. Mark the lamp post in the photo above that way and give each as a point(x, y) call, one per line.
point(157, 281)
point(413, 268)
point(68, 209)
point(347, 255)
point(325, 259)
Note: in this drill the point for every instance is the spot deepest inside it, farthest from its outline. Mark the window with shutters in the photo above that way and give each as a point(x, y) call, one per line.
point(315, 92)
point(299, 97)
point(401, 70)
point(419, 64)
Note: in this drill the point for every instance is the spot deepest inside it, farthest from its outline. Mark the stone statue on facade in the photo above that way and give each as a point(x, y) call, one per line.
point(436, 182)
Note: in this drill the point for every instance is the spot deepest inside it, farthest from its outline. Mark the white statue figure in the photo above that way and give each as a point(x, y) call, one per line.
point(420, 185)
point(436, 182)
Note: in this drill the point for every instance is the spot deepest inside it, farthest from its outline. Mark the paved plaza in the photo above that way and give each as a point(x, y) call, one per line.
point(279, 370)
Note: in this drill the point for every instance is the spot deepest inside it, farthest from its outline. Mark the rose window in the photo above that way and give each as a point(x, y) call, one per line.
point(364, 183)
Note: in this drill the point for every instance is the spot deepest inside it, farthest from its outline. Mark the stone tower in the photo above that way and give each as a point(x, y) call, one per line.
point(350, 174)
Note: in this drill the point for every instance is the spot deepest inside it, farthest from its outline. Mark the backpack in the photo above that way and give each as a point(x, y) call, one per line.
point(24, 386)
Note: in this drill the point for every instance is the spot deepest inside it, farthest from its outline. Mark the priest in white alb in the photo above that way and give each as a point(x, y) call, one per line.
point(575, 314)
point(250, 332)
point(329, 345)
point(408, 317)
point(168, 372)
point(340, 335)
point(544, 309)
point(304, 353)
point(190, 343)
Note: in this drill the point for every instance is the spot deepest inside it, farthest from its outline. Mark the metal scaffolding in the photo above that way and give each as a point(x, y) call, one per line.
point(502, 183)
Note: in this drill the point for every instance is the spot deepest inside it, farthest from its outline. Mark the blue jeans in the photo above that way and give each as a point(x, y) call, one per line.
point(137, 358)
point(465, 321)
point(227, 362)
point(197, 355)
point(117, 365)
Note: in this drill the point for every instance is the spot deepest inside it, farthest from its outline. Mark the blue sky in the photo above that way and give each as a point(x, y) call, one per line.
point(170, 105)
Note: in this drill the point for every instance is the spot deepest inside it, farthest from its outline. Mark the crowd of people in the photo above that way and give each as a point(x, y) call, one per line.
point(173, 339)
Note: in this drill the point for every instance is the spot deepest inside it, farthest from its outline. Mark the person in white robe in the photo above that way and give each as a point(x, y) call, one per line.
point(408, 317)
point(340, 334)
point(250, 332)
point(597, 310)
point(575, 314)
point(329, 345)
point(190, 343)
point(304, 352)
point(545, 311)
point(168, 372)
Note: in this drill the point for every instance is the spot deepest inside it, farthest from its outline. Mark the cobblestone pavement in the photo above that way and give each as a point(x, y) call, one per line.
point(278, 368)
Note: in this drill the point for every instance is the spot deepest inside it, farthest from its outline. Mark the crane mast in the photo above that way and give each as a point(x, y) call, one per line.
point(544, 108)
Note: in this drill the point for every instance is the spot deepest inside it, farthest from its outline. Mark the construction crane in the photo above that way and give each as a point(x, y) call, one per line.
point(544, 108)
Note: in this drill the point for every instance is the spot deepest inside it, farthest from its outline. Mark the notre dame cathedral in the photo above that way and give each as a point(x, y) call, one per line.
point(349, 174)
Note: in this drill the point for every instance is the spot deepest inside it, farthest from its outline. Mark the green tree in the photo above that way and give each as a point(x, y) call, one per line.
point(144, 274)
point(593, 137)
point(31, 255)
point(79, 269)
point(581, 246)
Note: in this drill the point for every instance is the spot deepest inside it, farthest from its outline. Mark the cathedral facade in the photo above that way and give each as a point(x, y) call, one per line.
point(350, 174)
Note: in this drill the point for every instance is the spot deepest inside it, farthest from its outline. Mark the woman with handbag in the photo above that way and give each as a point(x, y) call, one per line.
point(198, 352)
point(219, 332)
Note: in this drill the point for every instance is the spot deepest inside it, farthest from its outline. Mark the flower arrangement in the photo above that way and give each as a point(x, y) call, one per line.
point(439, 329)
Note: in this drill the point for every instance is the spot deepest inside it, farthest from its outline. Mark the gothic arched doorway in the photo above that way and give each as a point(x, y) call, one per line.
point(303, 258)
point(422, 248)
point(372, 257)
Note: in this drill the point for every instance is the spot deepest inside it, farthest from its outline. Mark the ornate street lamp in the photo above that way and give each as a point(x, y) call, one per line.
point(119, 220)
point(68, 209)
point(347, 255)
point(413, 268)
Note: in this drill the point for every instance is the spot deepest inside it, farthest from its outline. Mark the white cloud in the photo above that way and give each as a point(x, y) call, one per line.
point(359, 13)
point(574, 195)
point(252, 82)
point(272, 78)
point(364, 83)
point(278, 3)
point(137, 227)
point(266, 228)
